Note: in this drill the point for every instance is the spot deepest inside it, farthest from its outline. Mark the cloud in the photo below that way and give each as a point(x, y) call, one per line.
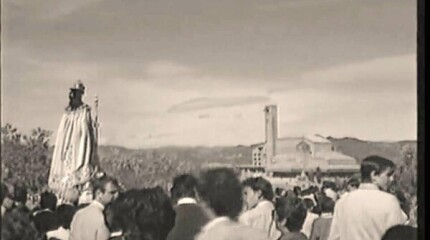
point(207, 103)
point(157, 69)
point(203, 116)
point(386, 74)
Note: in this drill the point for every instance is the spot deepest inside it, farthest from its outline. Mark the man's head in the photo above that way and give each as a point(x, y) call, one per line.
point(48, 200)
point(20, 194)
point(377, 170)
point(352, 184)
point(400, 232)
point(255, 190)
point(71, 195)
point(327, 204)
point(308, 204)
point(183, 186)
point(297, 190)
point(290, 213)
point(105, 189)
point(75, 94)
point(221, 190)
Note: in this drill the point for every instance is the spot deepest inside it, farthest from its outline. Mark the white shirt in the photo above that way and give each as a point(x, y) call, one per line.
point(365, 213)
point(186, 200)
point(260, 217)
point(60, 233)
point(214, 222)
point(307, 224)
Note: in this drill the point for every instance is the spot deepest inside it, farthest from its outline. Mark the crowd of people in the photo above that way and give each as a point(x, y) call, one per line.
point(214, 205)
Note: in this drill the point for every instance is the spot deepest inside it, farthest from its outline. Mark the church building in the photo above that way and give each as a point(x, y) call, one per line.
point(289, 156)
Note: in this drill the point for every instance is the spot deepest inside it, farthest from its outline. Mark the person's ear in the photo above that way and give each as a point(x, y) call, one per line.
point(283, 222)
point(97, 193)
point(259, 194)
point(198, 197)
point(373, 175)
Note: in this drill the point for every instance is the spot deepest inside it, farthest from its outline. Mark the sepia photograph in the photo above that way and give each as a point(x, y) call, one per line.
point(209, 120)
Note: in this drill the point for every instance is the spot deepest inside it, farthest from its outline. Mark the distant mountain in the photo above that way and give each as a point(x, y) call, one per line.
point(353, 147)
point(360, 149)
point(157, 166)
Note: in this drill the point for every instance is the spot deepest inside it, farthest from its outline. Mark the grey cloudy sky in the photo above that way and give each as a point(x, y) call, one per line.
point(194, 72)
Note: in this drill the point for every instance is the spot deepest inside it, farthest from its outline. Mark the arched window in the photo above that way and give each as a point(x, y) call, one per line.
point(304, 147)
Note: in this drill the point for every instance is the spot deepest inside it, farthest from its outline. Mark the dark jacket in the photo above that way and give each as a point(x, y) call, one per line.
point(190, 218)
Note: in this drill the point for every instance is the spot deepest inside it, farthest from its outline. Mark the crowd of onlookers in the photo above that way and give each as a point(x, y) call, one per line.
point(214, 205)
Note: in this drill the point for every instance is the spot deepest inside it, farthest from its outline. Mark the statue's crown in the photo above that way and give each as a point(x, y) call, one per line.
point(78, 86)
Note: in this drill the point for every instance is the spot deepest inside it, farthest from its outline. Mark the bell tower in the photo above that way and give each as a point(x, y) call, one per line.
point(271, 120)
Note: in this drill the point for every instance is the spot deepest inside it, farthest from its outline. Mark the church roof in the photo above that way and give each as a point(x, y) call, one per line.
point(325, 166)
point(317, 138)
point(326, 161)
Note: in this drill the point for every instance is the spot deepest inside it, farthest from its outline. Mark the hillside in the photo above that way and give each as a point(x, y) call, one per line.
point(356, 148)
point(360, 149)
point(137, 167)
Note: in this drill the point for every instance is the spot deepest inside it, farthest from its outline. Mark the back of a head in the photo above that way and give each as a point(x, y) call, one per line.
point(46, 221)
point(297, 190)
point(354, 182)
point(375, 164)
point(326, 204)
point(308, 204)
point(293, 211)
point(145, 213)
point(221, 189)
point(71, 195)
point(48, 200)
point(183, 186)
point(329, 185)
point(400, 232)
point(65, 215)
point(261, 184)
point(20, 194)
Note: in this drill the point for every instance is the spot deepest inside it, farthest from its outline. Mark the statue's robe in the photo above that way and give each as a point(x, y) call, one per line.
point(73, 161)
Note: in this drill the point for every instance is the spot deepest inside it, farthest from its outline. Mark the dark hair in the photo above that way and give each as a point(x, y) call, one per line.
point(308, 191)
point(329, 184)
point(297, 190)
point(354, 182)
point(17, 225)
point(293, 210)
point(326, 204)
point(46, 221)
point(400, 232)
point(142, 214)
point(375, 164)
point(20, 194)
point(308, 204)
point(183, 186)
point(3, 192)
point(100, 183)
point(48, 200)
point(221, 190)
point(279, 192)
point(65, 213)
point(260, 184)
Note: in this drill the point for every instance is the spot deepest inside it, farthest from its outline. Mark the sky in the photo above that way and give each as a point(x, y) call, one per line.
point(195, 72)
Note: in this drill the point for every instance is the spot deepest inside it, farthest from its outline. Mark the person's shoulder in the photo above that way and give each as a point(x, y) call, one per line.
point(240, 231)
point(256, 212)
point(383, 196)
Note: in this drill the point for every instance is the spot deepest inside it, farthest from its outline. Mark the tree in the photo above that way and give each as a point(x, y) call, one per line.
point(25, 158)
